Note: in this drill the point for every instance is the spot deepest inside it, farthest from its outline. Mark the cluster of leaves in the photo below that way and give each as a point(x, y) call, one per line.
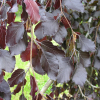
point(73, 24)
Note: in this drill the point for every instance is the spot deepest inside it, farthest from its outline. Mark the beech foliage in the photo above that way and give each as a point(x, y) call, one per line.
point(74, 62)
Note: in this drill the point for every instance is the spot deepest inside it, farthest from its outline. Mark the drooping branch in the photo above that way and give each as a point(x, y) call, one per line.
point(92, 85)
point(46, 86)
point(82, 93)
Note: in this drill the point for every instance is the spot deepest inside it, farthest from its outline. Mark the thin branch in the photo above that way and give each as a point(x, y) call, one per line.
point(75, 98)
point(31, 56)
point(61, 7)
point(47, 3)
point(92, 85)
point(49, 82)
point(82, 92)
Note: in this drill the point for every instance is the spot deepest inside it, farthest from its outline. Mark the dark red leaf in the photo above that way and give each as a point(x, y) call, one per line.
point(86, 44)
point(5, 90)
point(54, 62)
point(38, 31)
point(11, 17)
point(22, 97)
point(18, 88)
point(4, 87)
point(34, 88)
point(80, 75)
point(36, 64)
point(38, 98)
point(17, 77)
point(3, 12)
point(1, 76)
point(97, 63)
point(45, 38)
point(72, 4)
point(24, 14)
point(2, 37)
point(18, 48)
point(7, 62)
point(47, 28)
point(33, 10)
point(15, 32)
point(19, 2)
point(50, 96)
point(57, 4)
point(65, 70)
point(65, 23)
point(85, 59)
point(25, 56)
point(60, 35)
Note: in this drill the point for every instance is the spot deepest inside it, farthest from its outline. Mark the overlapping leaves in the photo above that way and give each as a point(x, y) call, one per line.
point(54, 62)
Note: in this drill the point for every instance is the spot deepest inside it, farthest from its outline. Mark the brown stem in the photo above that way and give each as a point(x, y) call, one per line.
point(31, 55)
point(49, 82)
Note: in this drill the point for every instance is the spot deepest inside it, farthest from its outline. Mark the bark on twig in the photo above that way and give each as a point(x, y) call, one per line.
point(46, 86)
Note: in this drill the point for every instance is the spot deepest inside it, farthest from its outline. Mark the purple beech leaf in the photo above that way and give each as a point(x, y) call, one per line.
point(2, 37)
point(53, 60)
point(39, 31)
point(46, 28)
point(11, 17)
point(34, 88)
point(98, 53)
point(3, 12)
point(65, 70)
point(1, 76)
point(85, 59)
point(80, 75)
point(74, 5)
point(42, 12)
point(98, 38)
point(86, 44)
point(97, 63)
point(15, 32)
point(7, 62)
point(49, 59)
point(96, 14)
point(18, 87)
point(24, 14)
point(4, 87)
point(33, 10)
point(60, 35)
point(51, 70)
point(25, 55)
point(50, 27)
point(5, 96)
point(5, 90)
point(19, 2)
point(17, 77)
point(18, 48)
point(39, 97)
point(37, 66)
